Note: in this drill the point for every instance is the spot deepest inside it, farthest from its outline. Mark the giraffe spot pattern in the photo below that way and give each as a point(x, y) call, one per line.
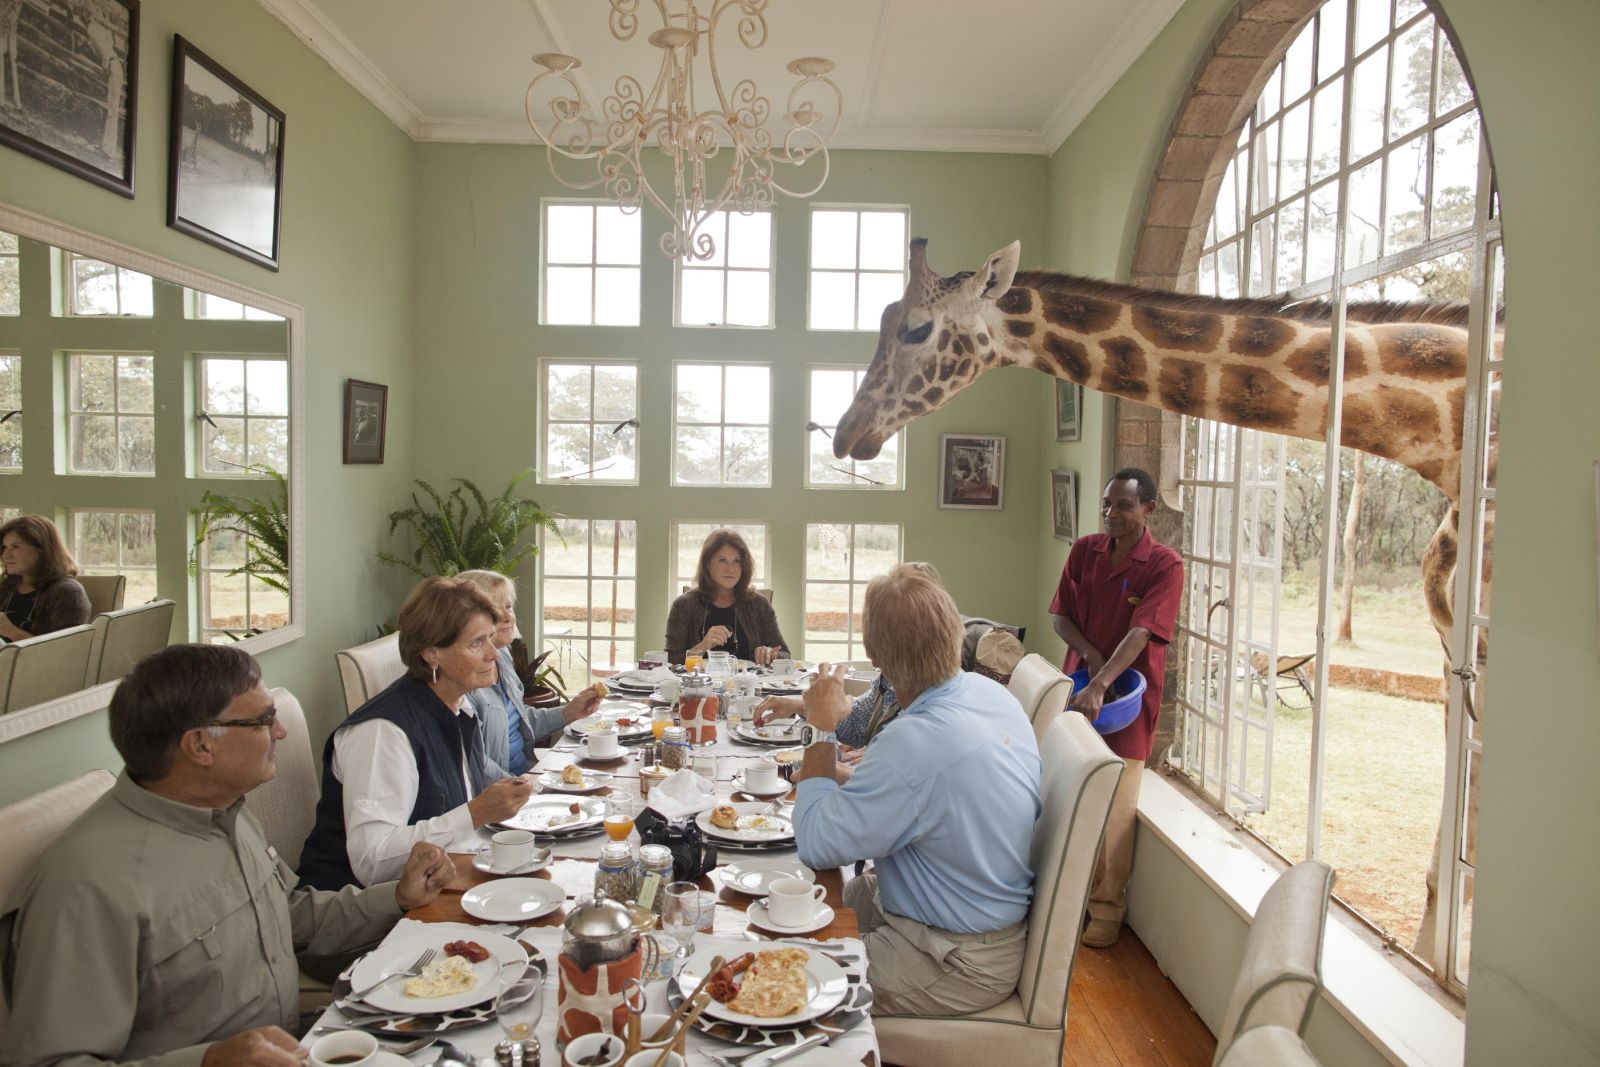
point(1428, 353)
point(1071, 358)
point(1125, 369)
point(1251, 396)
point(964, 369)
point(1181, 385)
point(1253, 336)
point(1431, 470)
point(946, 369)
point(1081, 314)
point(1184, 331)
point(1019, 327)
point(934, 396)
point(915, 383)
point(1379, 424)
point(1313, 360)
point(1458, 412)
point(944, 339)
point(983, 338)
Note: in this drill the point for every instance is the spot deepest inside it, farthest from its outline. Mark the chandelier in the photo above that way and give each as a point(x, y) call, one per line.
point(721, 152)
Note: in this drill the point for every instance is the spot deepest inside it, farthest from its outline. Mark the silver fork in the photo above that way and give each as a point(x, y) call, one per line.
point(415, 969)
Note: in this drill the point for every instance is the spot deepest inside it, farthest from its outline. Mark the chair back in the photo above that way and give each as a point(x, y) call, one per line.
point(43, 668)
point(29, 825)
point(124, 637)
point(1078, 778)
point(286, 803)
point(1282, 968)
point(106, 591)
point(1268, 1046)
point(1042, 690)
point(367, 670)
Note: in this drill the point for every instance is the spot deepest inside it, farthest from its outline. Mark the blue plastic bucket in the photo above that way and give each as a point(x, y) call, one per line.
point(1122, 699)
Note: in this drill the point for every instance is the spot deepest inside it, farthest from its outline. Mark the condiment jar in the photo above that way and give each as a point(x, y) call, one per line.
point(674, 751)
point(617, 875)
point(655, 868)
point(598, 931)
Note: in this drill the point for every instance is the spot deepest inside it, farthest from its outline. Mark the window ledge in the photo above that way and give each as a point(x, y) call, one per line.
point(1384, 1005)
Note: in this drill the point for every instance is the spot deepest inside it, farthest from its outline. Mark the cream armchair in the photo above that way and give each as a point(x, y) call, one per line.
point(126, 636)
point(45, 667)
point(1030, 1026)
point(1042, 691)
point(367, 670)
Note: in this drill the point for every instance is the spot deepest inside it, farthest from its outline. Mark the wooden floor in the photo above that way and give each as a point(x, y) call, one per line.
point(1122, 1011)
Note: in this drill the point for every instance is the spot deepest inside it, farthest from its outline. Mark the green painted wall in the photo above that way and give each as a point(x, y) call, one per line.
point(348, 187)
point(478, 343)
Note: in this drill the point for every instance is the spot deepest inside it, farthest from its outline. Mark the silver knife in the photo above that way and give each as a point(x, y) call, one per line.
point(767, 1059)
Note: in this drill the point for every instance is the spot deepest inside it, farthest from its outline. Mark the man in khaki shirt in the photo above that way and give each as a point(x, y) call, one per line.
point(162, 928)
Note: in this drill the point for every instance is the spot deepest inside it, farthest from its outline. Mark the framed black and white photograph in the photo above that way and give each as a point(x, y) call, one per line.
point(225, 174)
point(971, 472)
point(1069, 411)
point(1064, 505)
point(366, 421)
point(69, 80)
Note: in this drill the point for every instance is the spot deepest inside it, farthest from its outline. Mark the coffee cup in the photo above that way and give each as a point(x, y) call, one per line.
point(511, 849)
point(584, 1048)
point(783, 666)
point(347, 1048)
point(793, 901)
point(603, 744)
point(761, 776)
point(669, 690)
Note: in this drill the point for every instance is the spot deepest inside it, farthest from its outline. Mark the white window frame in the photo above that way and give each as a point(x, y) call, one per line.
point(200, 426)
point(13, 257)
point(723, 425)
point(205, 569)
point(594, 427)
point(594, 263)
point(760, 577)
point(122, 567)
point(718, 264)
point(197, 305)
point(116, 414)
point(567, 643)
point(9, 422)
point(851, 582)
point(69, 288)
point(814, 430)
point(857, 271)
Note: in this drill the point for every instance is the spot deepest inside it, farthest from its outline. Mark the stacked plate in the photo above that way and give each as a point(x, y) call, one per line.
point(557, 817)
point(389, 1010)
point(779, 734)
point(753, 831)
point(638, 683)
point(631, 720)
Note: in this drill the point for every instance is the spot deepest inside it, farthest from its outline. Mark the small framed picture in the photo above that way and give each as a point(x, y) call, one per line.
point(225, 172)
point(1064, 505)
point(971, 472)
point(69, 80)
point(366, 421)
point(1069, 411)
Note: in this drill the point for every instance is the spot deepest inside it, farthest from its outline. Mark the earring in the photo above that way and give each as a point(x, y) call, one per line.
point(435, 674)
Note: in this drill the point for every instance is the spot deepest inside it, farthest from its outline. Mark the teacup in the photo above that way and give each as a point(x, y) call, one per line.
point(585, 1046)
point(761, 776)
point(783, 666)
point(669, 690)
point(603, 744)
point(511, 849)
point(347, 1048)
point(792, 901)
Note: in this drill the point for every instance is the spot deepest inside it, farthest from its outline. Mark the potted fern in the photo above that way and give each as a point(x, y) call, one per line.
point(464, 530)
point(263, 523)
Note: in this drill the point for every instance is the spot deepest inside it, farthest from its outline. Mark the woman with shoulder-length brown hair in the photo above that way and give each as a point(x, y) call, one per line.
point(722, 613)
point(38, 594)
point(409, 765)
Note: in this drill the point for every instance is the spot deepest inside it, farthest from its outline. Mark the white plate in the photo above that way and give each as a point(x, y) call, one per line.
point(759, 916)
point(753, 876)
point(592, 780)
point(483, 862)
point(637, 679)
point(825, 982)
point(770, 734)
point(546, 815)
point(782, 684)
point(513, 900)
point(775, 827)
point(770, 794)
point(640, 726)
point(401, 950)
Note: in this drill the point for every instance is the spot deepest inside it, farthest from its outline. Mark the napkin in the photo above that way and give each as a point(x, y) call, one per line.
point(681, 794)
point(653, 676)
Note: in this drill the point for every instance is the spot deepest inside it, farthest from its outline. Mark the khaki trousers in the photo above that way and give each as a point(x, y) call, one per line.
point(917, 969)
point(1108, 893)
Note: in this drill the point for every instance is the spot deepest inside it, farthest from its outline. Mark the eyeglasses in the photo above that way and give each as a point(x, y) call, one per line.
point(265, 720)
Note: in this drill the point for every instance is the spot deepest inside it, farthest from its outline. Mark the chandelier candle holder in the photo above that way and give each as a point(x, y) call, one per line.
point(723, 158)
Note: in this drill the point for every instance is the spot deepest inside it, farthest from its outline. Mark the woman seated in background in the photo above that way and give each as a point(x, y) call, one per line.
point(722, 613)
point(409, 764)
point(38, 594)
point(510, 727)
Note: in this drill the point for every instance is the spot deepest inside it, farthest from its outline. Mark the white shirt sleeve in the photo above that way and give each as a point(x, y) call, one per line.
point(373, 761)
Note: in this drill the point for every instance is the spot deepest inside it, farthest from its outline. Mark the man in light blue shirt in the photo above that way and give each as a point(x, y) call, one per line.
point(944, 801)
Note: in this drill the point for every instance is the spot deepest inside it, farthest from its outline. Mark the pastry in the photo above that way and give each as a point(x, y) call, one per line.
point(725, 816)
point(601, 689)
point(572, 774)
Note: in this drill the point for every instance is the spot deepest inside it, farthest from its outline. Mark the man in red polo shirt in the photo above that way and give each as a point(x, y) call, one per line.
point(1115, 608)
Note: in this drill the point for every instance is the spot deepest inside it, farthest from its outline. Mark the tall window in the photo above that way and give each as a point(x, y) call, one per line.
point(858, 265)
point(722, 424)
point(118, 542)
point(829, 392)
point(587, 595)
point(97, 288)
point(841, 558)
point(234, 605)
point(591, 265)
point(10, 411)
point(689, 537)
point(243, 418)
point(734, 286)
point(591, 422)
point(1360, 175)
point(10, 275)
point(110, 414)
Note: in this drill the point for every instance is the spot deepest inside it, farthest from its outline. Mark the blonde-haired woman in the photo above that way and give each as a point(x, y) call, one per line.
point(722, 613)
point(510, 727)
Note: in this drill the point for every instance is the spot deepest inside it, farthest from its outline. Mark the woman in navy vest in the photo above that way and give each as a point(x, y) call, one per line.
point(409, 764)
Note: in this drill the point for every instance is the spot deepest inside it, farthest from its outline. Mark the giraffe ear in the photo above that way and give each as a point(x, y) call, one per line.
point(995, 278)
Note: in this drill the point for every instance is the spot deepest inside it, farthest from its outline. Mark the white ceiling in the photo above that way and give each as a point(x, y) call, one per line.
point(941, 75)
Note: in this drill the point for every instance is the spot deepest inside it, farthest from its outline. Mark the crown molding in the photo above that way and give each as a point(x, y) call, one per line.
point(1147, 19)
point(351, 64)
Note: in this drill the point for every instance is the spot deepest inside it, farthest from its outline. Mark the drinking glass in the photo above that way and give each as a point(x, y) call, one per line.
point(691, 661)
point(680, 915)
point(620, 813)
point(519, 1007)
point(660, 719)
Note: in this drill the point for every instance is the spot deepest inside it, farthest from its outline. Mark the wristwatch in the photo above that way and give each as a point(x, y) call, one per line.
point(810, 735)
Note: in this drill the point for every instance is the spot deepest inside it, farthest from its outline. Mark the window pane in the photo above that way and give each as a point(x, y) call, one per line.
point(136, 384)
point(878, 291)
point(617, 235)
point(831, 391)
point(616, 296)
point(94, 538)
point(567, 296)
point(1295, 124)
point(269, 607)
point(1291, 244)
point(746, 460)
point(269, 387)
point(1330, 38)
point(566, 452)
point(269, 444)
point(748, 297)
point(224, 386)
point(207, 306)
point(94, 287)
point(1366, 105)
point(139, 539)
point(700, 297)
point(1408, 186)
point(749, 393)
point(1320, 223)
point(1361, 229)
point(569, 233)
point(1297, 68)
point(615, 455)
point(137, 441)
point(828, 551)
point(716, 228)
point(1453, 88)
point(224, 446)
point(615, 393)
point(1325, 129)
point(699, 393)
point(614, 547)
point(1225, 218)
point(1455, 174)
point(1413, 74)
point(699, 455)
point(833, 239)
point(1372, 22)
point(569, 553)
point(138, 292)
point(10, 279)
point(833, 303)
point(750, 240)
point(883, 240)
point(94, 443)
point(877, 548)
point(567, 391)
point(10, 400)
point(94, 383)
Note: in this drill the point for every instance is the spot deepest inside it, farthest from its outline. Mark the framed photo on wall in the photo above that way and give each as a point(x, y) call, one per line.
point(366, 421)
point(225, 171)
point(1064, 505)
point(971, 472)
point(1069, 411)
point(69, 80)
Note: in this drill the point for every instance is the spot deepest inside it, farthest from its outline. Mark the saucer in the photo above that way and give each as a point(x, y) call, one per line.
point(483, 862)
point(582, 752)
point(758, 917)
point(765, 794)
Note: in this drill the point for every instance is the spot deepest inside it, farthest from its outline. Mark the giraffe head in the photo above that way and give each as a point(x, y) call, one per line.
point(932, 343)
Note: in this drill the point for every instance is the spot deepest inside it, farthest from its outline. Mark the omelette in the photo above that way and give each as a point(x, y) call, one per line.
point(775, 984)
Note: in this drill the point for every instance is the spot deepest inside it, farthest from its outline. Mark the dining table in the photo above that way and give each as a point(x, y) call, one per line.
point(572, 867)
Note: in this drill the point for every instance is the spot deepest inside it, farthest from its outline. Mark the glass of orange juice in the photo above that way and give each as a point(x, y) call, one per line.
point(660, 719)
point(691, 661)
point(619, 818)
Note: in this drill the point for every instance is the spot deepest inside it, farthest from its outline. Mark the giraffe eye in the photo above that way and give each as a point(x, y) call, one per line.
point(918, 335)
